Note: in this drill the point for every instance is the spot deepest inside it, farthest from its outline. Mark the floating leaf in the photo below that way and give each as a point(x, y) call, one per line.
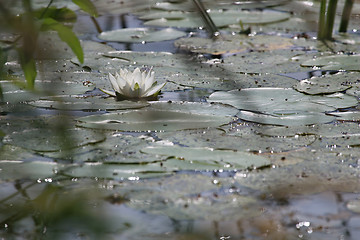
point(335, 62)
point(216, 139)
point(18, 170)
point(117, 149)
point(288, 119)
point(13, 93)
point(49, 140)
point(224, 159)
point(220, 18)
point(196, 197)
point(231, 44)
point(324, 130)
point(280, 106)
point(87, 104)
point(117, 171)
point(281, 101)
point(138, 35)
point(325, 84)
point(347, 116)
point(163, 116)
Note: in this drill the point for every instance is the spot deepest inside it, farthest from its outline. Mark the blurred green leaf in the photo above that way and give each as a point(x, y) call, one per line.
point(87, 6)
point(3, 59)
point(58, 14)
point(66, 35)
point(28, 66)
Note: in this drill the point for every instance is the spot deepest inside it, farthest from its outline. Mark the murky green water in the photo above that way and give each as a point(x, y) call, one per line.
point(253, 136)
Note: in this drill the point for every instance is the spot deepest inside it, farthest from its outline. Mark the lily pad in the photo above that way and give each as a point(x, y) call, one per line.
point(230, 44)
point(335, 62)
point(116, 171)
point(353, 116)
point(18, 170)
point(138, 35)
point(117, 149)
point(13, 93)
point(323, 130)
point(326, 84)
point(197, 197)
point(220, 18)
point(50, 140)
point(280, 106)
point(224, 159)
point(294, 118)
point(282, 101)
point(163, 116)
point(216, 139)
point(87, 104)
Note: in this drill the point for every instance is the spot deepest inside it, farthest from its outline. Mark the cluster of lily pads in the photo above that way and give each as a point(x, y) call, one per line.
point(254, 113)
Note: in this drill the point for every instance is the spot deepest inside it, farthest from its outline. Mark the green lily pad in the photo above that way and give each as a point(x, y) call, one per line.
point(163, 116)
point(138, 35)
point(216, 139)
point(18, 170)
point(119, 7)
point(50, 140)
point(353, 116)
point(220, 18)
point(15, 153)
point(116, 171)
point(117, 149)
point(294, 118)
point(234, 44)
point(325, 84)
point(280, 106)
point(323, 130)
point(13, 93)
point(87, 104)
point(196, 197)
point(335, 62)
point(224, 159)
point(281, 101)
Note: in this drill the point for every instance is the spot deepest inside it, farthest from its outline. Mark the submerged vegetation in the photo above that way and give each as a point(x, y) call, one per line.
point(256, 127)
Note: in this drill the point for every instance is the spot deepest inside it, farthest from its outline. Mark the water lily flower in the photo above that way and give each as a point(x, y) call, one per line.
point(134, 85)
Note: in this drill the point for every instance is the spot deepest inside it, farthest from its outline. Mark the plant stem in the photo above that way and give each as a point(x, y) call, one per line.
point(346, 16)
point(321, 27)
point(330, 19)
point(210, 25)
point(97, 26)
point(45, 10)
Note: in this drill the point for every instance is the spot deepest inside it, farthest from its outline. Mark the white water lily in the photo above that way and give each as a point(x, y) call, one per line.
point(137, 84)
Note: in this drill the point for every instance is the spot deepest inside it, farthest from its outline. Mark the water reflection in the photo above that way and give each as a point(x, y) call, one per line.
point(195, 95)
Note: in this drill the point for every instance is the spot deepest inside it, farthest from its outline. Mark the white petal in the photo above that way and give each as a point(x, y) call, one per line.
point(149, 81)
point(114, 83)
point(154, 90)
point(111, 93)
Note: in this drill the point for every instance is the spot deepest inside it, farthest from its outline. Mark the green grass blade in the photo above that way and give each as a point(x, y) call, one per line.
point(87, 6)
point(66, 35)
point(28, 66)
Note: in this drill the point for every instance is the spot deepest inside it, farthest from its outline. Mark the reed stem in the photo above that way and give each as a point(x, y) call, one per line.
point(321, 27)
point(210, 25)
point(345, 17)
point(330, 19)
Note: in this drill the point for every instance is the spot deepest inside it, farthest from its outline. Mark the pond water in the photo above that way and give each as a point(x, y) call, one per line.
point(253, 136)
